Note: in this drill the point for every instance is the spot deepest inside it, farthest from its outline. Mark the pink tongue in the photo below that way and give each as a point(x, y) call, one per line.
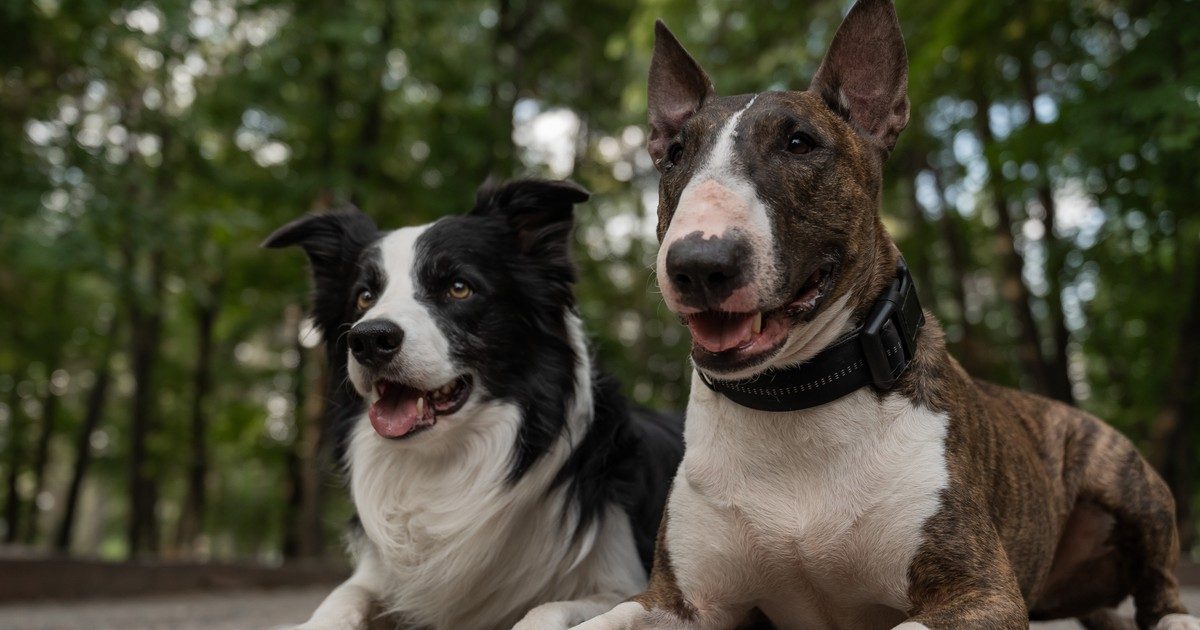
point(395, 413)
point(721, 332)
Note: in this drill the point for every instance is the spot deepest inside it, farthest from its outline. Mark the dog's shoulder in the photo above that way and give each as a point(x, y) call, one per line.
point(627, 457)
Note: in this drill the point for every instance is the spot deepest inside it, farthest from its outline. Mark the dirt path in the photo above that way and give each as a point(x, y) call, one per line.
point(247, 610)
point(208, 611)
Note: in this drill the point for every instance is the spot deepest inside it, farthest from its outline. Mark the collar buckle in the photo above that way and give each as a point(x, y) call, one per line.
point(899, 306)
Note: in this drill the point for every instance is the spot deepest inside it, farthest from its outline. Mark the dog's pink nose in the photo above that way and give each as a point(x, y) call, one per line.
point(705, 272)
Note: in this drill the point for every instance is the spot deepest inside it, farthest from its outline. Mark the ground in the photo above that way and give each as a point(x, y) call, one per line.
point(222, 611)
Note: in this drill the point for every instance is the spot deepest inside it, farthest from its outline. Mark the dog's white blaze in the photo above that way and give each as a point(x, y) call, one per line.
point(719, 198)
point(816, 514)
point(450, 543)
point(424, 356)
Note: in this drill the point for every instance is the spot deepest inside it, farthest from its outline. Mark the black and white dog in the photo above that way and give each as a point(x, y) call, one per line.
point(498, 478)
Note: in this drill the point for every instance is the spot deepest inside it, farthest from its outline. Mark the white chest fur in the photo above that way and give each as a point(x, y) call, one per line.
point(457, 546)
point(814, 516)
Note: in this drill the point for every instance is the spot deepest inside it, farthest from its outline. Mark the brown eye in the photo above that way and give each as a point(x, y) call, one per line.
point(366, 299)
point(800, 143)
point(459, 290)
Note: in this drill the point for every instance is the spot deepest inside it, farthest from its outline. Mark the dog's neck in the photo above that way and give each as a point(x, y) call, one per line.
point(732, 448)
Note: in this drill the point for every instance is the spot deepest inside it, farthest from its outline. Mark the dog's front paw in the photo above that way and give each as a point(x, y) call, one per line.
point(1178, 622)
point(544, 617)
point(326, 624)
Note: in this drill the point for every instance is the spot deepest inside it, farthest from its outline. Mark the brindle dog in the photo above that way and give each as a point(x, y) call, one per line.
point(943, 502)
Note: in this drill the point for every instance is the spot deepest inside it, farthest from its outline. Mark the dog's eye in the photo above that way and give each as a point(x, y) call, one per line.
point(459, 290)
point(366, 299)
point(800, 143)
point(674, 153)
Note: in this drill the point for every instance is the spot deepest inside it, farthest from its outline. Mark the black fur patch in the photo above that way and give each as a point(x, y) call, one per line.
point(628, 457)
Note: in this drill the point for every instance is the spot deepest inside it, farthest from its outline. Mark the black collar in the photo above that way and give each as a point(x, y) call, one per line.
point(876, 353)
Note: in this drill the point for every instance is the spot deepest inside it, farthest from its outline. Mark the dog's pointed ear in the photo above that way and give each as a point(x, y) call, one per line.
point(327, 237)
point(677, 88)
point(540, 211)
point(333, 242)
point(864, 76)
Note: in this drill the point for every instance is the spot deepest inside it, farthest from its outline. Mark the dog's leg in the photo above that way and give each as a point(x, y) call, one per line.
point(964, 579)
point(716, 578)
point(1117, 479)
point(1105, 619)
point(562, 615)
point(349, 606)
point(633, 615)
point(972, 609)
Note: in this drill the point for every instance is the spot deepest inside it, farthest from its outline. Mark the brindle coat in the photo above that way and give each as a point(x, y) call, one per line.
point(1048, 512)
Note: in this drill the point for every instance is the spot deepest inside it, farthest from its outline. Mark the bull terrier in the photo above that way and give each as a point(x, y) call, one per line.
point(841, 469)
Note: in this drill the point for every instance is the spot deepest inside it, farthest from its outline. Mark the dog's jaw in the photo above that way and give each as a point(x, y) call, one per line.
point(804, 340)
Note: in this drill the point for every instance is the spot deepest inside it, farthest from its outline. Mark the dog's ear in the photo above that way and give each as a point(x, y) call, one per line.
point(677, 88)
point(333, 242)
point(864, 76)
point(540, 211)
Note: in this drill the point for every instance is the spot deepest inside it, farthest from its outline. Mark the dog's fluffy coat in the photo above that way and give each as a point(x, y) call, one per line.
point(545, 488)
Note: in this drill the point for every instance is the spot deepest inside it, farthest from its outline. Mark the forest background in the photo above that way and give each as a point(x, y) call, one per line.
point(161, 394)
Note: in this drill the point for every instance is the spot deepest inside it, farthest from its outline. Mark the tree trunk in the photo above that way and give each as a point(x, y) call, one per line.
point(191, 520)
point(918, 261)
point(330, 96)
point(50, 405)
point(1012, 282)
point(13, 506)
point(315, 453)
point(41, 455)
point(1173, 446)
point(93, 415)
point(146, 327)
point(509, 47)
point(293, 528)
point(950, 230)
point(502, 90)
point(304, 464)
point(366, 161)
point(1059, 362)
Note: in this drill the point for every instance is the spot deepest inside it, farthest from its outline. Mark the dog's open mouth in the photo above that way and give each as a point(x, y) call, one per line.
point(739, 337)
point(403, 410)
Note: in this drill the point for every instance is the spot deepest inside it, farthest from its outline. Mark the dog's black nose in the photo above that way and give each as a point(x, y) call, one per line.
point(375, 341)
point(706, 271)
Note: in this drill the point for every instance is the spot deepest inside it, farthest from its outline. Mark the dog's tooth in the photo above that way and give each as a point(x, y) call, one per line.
point(756, 327)
point(420, 406)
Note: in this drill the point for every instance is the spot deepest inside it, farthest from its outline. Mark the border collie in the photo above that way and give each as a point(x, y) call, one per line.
point(497, 476)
